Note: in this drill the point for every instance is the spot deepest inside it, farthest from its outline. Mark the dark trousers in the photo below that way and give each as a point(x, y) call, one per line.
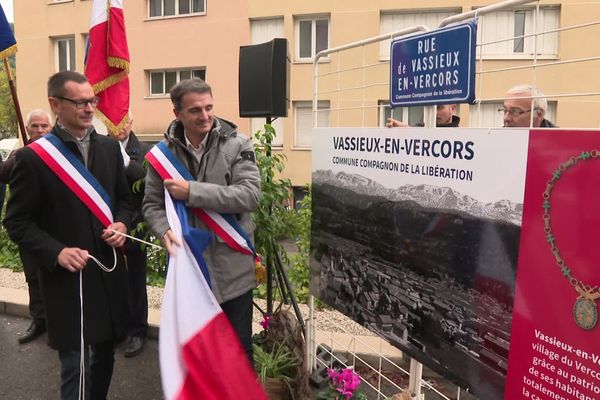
point(32, 276)
point(99, 361)
point(239, 313)
point(138, 297)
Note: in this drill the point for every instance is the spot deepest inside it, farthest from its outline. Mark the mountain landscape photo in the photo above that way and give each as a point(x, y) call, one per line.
point(430, 269)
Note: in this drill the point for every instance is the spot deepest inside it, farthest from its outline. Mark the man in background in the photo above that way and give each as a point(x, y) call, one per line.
point(444, 118)
point(38, 123)
point(519, 106)
point(135, 255)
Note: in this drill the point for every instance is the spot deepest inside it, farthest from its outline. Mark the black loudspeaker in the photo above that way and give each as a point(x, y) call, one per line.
point(264, 79)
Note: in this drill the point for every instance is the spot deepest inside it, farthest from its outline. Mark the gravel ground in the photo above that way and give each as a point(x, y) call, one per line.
point(326, 320)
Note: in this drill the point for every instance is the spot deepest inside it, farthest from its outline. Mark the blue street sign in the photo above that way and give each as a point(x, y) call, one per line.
point(436, 67)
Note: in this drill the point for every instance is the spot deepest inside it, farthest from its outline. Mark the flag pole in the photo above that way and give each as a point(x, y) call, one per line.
point(13, 92)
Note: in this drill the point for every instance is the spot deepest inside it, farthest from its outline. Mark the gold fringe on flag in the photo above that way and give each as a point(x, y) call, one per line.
point(111, 80)
point(112, 129)
point(9, 51)
point(117, 62)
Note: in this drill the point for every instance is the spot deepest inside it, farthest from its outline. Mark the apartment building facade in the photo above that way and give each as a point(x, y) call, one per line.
point(171, 40)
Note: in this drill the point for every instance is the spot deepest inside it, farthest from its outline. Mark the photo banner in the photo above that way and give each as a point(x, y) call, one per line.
point(417, 235)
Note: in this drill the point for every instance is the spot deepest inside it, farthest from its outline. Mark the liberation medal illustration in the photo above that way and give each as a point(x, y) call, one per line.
point(585, 313)
point(585, 310)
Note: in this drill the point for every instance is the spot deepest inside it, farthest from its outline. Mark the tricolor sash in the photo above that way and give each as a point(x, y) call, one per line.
point(166, 164)
point(71, 171)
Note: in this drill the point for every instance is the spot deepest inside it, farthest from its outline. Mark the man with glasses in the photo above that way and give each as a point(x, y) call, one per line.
point(50, 216)
point(518, 108)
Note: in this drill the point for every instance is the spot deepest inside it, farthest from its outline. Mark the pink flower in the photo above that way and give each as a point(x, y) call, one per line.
point(265, 322)
point(346, 382)
point(333, 375)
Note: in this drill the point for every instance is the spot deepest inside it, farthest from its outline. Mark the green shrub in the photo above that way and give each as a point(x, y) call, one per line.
point(276, 219)
point(9, 253)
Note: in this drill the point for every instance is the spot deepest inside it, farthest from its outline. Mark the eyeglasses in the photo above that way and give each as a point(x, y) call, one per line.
point(81, 104)
point(513, 111)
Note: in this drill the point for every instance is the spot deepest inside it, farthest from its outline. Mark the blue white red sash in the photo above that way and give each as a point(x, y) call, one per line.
point(71, 171)
point(166, 164)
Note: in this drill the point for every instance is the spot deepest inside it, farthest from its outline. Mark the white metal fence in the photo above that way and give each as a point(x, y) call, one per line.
point(351, 89)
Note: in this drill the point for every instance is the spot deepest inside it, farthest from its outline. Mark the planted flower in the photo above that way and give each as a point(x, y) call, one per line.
point(343, 385)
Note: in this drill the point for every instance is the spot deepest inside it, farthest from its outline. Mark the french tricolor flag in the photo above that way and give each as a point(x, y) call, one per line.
point(200, 355)
point(107, 62)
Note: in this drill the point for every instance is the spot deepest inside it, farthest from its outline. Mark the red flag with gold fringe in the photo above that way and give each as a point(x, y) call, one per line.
point(107, 63)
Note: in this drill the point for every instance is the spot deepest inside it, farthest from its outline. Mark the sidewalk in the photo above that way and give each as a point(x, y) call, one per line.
point(15, 302)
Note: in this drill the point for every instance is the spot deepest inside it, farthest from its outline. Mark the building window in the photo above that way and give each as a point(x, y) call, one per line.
point(171, 8)
point(264, 30)
point(500, 34)
point(411, 115)
point(161, 82)
point(64, 54)
point(84, 39)
point(304, 121)
point(312, 36)
point(488, 116)
point(395, 21)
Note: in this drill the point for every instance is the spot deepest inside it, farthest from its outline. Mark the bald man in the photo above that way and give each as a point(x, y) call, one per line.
point(518, 108)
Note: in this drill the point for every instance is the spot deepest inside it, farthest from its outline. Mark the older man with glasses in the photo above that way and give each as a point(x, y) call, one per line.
point(520, 103)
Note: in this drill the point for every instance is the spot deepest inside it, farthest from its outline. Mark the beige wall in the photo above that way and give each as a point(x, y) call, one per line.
point(213, 41)
point(353, 20)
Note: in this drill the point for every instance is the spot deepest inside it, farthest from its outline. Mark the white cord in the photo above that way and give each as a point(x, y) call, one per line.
point(137, 239)
point(81, 338)
point(81, 342)
point(105, 268)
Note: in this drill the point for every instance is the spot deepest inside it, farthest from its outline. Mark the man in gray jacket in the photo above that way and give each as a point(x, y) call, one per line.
point(227, 181)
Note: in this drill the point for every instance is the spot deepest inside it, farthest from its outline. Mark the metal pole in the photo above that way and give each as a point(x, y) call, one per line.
point(13, 92)
point(483, 10)
point(311, 352)
point(269, 258)
point(285, 283)
point(416, 368)
point(416, 375)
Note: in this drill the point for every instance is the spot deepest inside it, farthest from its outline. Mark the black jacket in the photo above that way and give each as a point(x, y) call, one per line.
point(135, 171)
point(546, 124)
point(453, 124)
point(44, 216)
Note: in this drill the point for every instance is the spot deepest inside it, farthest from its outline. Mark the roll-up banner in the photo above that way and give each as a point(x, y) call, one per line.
point(474, 251)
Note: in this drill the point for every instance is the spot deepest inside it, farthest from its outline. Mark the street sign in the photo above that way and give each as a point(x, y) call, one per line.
point(436, 67)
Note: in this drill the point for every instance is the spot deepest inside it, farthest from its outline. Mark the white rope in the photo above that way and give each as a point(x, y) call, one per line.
point(81, 338)
point(106, 269)
point(81, 342)
point(136, 239)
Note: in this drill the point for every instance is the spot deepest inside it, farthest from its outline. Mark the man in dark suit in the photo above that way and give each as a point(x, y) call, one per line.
point(85, 305)
point(136, 256)
point(38, 124)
